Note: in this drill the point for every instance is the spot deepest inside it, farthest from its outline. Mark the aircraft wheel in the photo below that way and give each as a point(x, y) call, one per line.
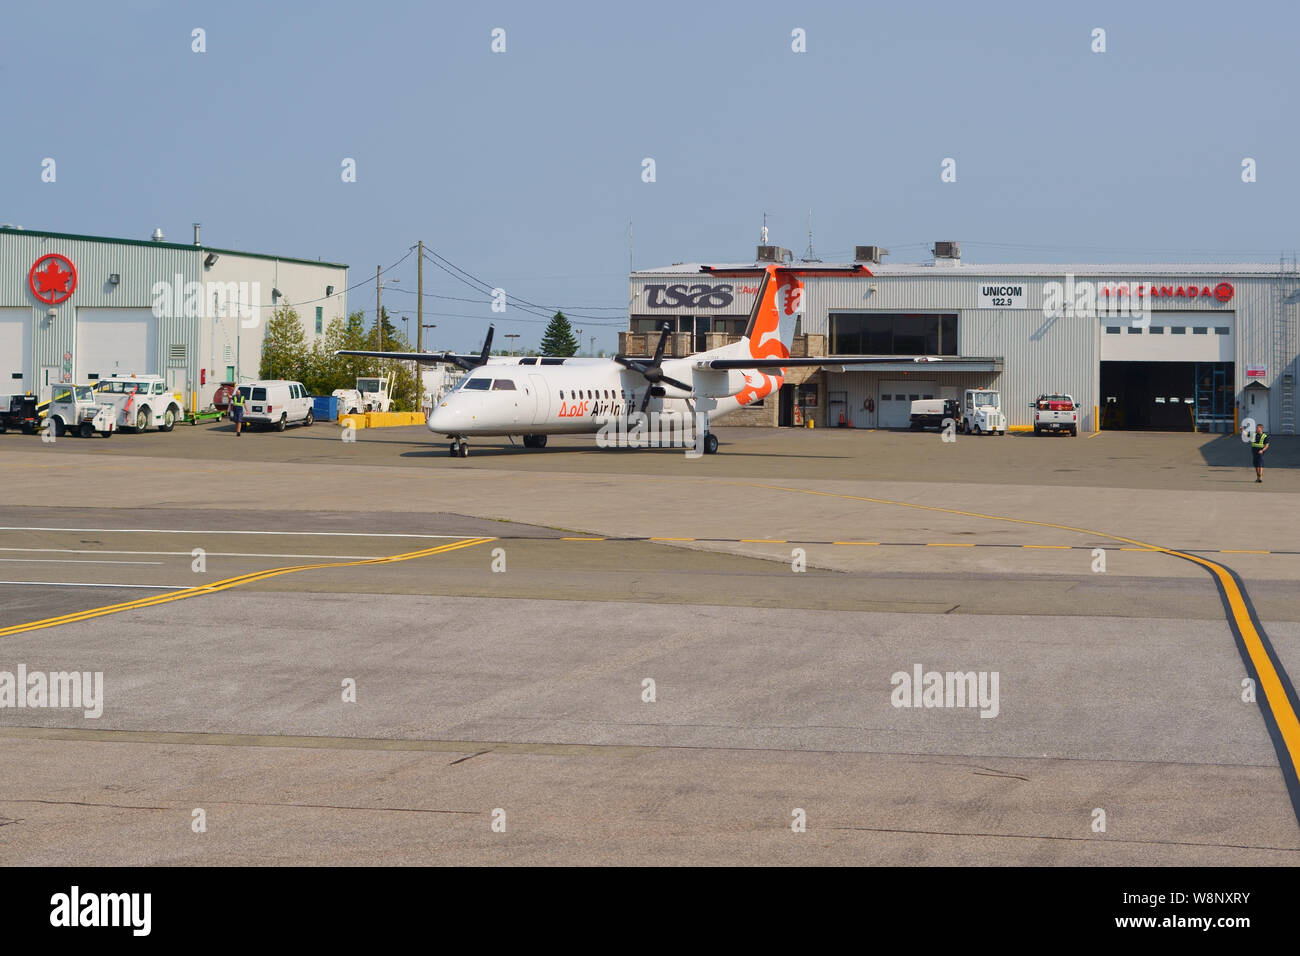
point(464, 449)
point(453, 449)
point(710, 444)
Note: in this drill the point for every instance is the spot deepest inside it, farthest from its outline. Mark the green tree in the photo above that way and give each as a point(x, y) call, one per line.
point(284, 349)
point(326, 371)
point(558, 339)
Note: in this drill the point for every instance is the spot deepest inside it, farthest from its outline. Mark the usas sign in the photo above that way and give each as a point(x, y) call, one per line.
point(693, 297)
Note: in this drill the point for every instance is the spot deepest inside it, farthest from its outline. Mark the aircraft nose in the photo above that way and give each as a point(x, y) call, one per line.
point(443, 418)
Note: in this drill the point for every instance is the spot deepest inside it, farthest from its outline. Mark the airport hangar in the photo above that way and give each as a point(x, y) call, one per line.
point(1220, 346)
point(79, 308)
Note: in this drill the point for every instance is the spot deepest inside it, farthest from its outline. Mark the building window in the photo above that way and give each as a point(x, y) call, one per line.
point(1200, 330)
point(320, 319)
point(1157, 330)
point(1178, 329)
point(1220, 330)
point(1135, 330)
point(903, 333)
point(1112, 330)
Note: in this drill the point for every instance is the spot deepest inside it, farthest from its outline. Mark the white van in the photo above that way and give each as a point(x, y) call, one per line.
point(276, 403)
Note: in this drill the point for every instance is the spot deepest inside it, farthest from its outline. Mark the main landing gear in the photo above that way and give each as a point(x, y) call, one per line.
point(459, 448)
point(710, 443)
point(534, 441)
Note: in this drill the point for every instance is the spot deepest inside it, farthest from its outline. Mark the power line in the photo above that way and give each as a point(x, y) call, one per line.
point(480, 285)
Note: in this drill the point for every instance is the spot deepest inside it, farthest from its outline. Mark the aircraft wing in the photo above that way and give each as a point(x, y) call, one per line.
point(828, 361)
point(424, 358)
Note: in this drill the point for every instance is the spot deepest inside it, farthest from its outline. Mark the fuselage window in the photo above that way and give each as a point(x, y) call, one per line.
point(561, 394)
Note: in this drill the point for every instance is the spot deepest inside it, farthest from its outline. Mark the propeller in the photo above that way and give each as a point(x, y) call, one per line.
point(468, 364)
point(652, 371)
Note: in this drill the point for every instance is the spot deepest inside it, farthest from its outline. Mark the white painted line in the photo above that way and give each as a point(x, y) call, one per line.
point(189, 554)
point(70, 561)
point(91, 584)
point(322, 534)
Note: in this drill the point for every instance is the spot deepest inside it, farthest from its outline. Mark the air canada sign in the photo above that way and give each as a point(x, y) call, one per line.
point(1221, 292)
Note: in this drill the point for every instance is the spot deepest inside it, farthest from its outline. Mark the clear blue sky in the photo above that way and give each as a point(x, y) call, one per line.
point(524, 168)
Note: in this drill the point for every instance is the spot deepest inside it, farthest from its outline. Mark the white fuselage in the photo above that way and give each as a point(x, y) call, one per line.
point(575, 396)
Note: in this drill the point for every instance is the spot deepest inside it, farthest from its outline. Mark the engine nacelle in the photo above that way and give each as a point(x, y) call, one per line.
point(718, 383)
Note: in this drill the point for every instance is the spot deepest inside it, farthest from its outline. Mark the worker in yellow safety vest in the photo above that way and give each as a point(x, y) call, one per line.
point(237, 409)
point(1257, 448)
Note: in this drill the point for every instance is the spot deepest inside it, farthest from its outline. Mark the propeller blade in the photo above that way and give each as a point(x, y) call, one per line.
point(645, 399)
point(672, 381)
point(659, 349)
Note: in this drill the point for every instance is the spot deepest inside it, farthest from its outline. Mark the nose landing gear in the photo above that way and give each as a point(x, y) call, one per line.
point(459, 448)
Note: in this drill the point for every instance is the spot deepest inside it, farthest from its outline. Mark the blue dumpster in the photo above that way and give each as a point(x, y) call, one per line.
point(325, 408)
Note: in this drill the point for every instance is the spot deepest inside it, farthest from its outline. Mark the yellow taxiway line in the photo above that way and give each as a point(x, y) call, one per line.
point(224, 585)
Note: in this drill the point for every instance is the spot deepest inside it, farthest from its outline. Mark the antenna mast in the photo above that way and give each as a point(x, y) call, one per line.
point(810, 255)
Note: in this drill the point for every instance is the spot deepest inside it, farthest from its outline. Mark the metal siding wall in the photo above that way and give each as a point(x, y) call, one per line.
point(1042, 356)
point(139, 267)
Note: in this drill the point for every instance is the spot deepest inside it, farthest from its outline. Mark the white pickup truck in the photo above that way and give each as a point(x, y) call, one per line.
point(74, 408)
point(1055, 412)
point(141, 401)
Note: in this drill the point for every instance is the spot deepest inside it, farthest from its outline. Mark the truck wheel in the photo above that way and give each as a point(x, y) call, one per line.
point(975, 429)
point(107, 434)
point(284, 420)
point(311, 417)
point(169, 420)
point(142, 419)
point(86, 430)
point(57, 426)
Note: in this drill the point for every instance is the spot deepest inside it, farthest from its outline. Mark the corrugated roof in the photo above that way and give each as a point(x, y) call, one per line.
point(1000, 268)
point(166, 245)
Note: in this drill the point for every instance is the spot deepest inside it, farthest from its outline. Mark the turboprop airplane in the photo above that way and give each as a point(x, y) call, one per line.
point(537, 396)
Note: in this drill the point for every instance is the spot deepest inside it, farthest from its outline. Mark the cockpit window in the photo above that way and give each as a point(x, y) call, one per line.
point(503, 385)
point(476, 384)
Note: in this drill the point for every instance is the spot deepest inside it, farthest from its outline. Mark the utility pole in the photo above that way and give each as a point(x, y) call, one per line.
point(379, 304)
point(593, 346)
point(419, 306)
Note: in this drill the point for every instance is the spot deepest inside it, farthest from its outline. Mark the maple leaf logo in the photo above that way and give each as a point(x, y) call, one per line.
point(52, 278)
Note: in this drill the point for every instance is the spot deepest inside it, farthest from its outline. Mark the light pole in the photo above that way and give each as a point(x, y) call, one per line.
point(578, 334)
point(593, 345)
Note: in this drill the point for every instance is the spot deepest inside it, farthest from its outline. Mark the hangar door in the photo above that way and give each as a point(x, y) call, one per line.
point(896, 398)
point(1177, 374)
point(116, 341)
point(15, 351)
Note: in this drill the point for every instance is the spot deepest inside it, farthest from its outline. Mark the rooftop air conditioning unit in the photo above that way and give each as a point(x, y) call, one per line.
point(947, 250)
point(773, 254)
point(869, 253)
